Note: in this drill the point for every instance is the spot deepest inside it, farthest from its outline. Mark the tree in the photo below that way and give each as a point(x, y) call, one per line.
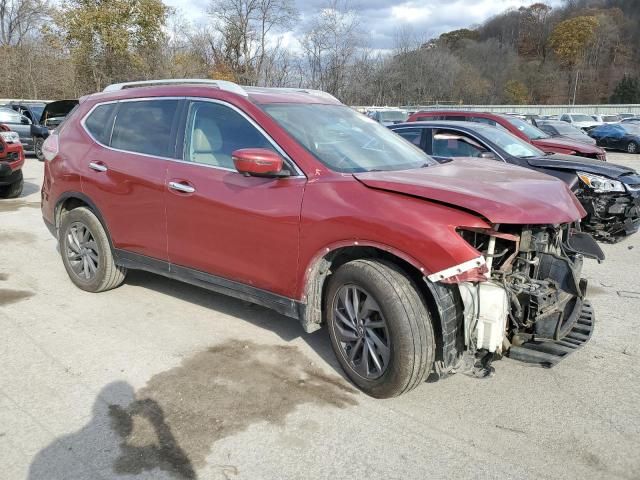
point(516, 93)
point(626, 91)
point(570, 39)
point(245, 28)
point(20, 18)
point(111, 40)
point(330, 44)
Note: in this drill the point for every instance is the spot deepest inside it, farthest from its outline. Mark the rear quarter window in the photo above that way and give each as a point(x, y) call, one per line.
point(99, 123)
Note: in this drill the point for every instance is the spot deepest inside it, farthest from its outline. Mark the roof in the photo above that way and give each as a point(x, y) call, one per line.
point(205, 87)
point(443, 123)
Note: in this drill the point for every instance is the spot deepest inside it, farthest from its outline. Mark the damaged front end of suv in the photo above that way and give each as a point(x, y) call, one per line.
point(525, 296)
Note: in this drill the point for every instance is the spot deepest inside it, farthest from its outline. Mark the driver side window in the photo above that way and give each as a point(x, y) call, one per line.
point(215, 131)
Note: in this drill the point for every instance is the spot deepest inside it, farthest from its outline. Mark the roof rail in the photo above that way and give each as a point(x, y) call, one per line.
point(315, 93)
point(221, 84)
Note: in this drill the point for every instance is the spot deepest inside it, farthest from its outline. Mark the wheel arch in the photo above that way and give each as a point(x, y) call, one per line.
point(71, 200)
point(442, 301)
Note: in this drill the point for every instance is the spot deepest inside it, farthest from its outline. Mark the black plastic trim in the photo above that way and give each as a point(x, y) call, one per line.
point(283, 305)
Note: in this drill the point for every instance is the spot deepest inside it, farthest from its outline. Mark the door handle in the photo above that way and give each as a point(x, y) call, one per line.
point(181, 187)
point(98, 167)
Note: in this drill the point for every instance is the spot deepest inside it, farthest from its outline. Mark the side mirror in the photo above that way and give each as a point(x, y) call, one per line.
point(488, 155)
point(258, 162)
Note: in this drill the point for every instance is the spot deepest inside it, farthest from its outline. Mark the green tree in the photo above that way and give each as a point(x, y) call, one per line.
point(626, 91)
point(111, 40)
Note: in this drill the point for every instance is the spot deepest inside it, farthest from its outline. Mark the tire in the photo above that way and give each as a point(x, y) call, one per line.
point(37, 148)
point(632, 147)
point(13, 190)
point(86, 252)
point(407, 330)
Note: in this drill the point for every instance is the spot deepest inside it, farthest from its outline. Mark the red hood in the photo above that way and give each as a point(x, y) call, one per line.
point(549, 144)
point(499, 192)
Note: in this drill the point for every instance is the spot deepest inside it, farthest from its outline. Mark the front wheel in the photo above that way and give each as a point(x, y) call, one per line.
point(632, 147)
point(380, 328)
point(86, 252)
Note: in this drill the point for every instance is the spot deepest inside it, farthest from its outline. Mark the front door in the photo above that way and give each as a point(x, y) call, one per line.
point(220, 222)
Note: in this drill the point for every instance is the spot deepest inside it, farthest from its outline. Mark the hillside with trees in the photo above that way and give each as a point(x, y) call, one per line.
point(587, 50)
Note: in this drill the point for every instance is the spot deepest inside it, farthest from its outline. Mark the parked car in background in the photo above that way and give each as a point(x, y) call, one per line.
point(609, 193)
point(289, 199)
point(388, 116)
point(556, 128)
point(31, 110)
point(19, 124)
point(623, 136)
point(11, 162)
point(604, 118)
point(580, 120)
point(631, 120)
point(52, 115)
point(551, 117)
point(626, 115)
point(519, 128)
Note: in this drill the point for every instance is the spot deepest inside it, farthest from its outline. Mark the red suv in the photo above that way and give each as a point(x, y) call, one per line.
point(11, 162)
point(519, 128)
point(289, 199)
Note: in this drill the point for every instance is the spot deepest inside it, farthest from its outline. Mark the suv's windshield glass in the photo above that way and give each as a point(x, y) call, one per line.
point(581, 118)
point(510, 143)
point(393, 116)
point(345, 140)
point(610, 118)
point(529, 130)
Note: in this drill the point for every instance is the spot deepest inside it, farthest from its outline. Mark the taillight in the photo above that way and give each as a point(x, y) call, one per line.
point(50, 147)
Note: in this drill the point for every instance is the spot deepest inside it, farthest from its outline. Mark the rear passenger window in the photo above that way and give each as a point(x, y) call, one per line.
point(98, 124)
point(145, 127)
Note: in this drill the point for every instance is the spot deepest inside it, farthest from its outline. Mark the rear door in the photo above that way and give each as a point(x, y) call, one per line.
point(220, 222)
point(124, 173)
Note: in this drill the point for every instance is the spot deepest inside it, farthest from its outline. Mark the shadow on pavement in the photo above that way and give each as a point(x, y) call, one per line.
point(169, 427)
point(286, 328)
point(101, 446)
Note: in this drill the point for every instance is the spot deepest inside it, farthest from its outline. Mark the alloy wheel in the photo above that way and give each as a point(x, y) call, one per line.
point(361, 331)
point(82, 251)
point(632, 147)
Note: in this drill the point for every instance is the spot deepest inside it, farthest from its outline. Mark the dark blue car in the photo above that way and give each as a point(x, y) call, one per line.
point(618, 136)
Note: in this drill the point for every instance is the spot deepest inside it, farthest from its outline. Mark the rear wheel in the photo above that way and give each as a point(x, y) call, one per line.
point(380, 328)
point(13, 190)
point(632, 147)
point(86, 252)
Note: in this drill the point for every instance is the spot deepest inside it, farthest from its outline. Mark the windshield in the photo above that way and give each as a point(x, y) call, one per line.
point(345, 140)
point(9, 116)
point(510, 143)
point(393, 116)
point(610, 118)
point(532, 133)
point(582, 118)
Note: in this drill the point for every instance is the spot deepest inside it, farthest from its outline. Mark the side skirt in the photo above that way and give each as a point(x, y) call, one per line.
point(283, 305)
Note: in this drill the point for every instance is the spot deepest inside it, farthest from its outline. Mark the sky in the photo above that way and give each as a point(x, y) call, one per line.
point(382, 18)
